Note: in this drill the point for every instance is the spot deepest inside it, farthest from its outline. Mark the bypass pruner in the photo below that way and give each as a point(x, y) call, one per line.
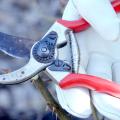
point(44, 57)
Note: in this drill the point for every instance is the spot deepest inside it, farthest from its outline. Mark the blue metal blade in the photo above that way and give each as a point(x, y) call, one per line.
point(17, 47)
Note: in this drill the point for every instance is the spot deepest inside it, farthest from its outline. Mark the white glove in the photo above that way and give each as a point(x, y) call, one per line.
point(99, 56)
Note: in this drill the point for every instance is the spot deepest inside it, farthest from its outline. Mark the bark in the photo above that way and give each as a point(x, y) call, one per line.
point(53, 105)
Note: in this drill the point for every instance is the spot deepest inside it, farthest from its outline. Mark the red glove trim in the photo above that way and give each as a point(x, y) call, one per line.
point(81, 24)
point(91, 82)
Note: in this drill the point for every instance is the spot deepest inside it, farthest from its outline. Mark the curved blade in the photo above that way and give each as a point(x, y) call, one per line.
point(17, 47)
point(31, 69)
point(42, 55)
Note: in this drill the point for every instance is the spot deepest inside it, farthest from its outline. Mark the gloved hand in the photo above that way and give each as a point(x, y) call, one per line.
point(99, 55)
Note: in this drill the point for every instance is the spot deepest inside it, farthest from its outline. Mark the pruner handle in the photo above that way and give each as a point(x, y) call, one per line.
point(91, 82)
point(81, 24)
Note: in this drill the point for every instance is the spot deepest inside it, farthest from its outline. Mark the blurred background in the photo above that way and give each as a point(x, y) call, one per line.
point(29, 19)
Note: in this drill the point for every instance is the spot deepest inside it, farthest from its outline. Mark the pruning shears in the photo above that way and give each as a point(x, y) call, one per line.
point(44, 57)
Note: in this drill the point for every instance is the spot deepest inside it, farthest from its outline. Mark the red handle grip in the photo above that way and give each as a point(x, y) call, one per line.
point(81, 24)
point(91, 82)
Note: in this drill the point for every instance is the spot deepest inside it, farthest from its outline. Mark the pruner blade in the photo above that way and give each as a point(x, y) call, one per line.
point(42, 55)
point(14, 46)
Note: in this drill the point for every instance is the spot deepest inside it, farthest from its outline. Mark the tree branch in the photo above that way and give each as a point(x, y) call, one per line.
point(50, 101)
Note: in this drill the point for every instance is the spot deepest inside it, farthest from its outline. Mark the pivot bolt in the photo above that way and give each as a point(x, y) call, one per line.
point(43, 52)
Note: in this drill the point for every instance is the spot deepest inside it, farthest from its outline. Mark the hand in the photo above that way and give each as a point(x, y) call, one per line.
point(99, 56)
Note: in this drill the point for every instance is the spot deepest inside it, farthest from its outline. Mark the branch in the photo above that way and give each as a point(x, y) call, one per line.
point(50, 101)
